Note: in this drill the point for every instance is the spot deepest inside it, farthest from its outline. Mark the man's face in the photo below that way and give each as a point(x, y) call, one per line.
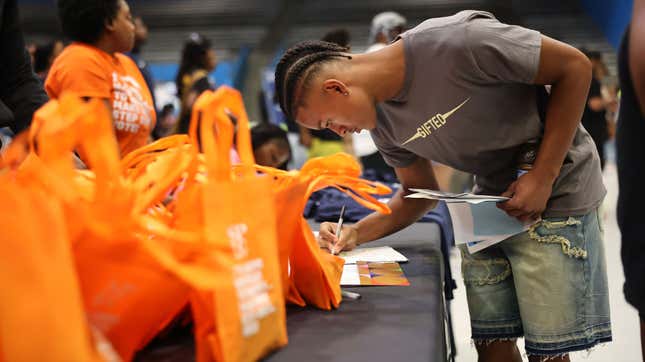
point(333, 105)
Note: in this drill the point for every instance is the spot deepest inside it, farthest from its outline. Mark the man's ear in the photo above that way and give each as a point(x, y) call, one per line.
point(335, 86)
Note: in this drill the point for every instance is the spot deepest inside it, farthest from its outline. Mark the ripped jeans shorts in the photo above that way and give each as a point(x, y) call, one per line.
point(548, 284)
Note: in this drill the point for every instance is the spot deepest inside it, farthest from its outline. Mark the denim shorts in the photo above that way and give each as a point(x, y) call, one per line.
point(548, 284)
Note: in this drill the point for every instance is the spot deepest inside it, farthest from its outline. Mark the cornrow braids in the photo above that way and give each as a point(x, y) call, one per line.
point(301, 62)
point(293, 54)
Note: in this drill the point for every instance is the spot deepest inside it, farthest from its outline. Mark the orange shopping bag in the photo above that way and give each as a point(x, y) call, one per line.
point(41, 309)
point(129, 297)
point(243, 317)
point(314, 274)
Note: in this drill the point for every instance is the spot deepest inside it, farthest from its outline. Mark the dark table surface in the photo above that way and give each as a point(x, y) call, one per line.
point(385, 324)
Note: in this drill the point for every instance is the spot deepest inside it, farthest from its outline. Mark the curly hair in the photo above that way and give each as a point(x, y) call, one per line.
point(84, 20)
point(298, 66)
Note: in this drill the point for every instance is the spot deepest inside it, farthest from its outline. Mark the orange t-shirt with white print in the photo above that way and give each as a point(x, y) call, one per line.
point(90, 72)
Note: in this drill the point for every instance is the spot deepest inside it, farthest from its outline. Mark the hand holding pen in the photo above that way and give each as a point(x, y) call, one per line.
point(339, 227)
point(337, 237)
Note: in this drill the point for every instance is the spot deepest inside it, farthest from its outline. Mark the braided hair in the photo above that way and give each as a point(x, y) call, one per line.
point(298, 66)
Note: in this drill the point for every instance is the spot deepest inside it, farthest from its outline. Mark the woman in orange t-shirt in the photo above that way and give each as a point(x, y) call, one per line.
point(93, 66)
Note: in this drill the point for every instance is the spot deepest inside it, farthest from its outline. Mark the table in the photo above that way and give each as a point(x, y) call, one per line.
point(386, 324)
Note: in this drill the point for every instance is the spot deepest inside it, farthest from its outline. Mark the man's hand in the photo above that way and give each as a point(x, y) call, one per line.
point(327, 237)
point(529, 195)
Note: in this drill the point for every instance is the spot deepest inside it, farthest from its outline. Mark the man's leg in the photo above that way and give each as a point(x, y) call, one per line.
point(492, 303)
point(560, 279)
point(498, 351)
point(508, 351)
point(550, 359)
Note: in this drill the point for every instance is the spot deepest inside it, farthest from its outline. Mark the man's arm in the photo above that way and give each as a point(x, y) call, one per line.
point(20, 88)
point(637, 51)
point(569, 73)
point(404, 211)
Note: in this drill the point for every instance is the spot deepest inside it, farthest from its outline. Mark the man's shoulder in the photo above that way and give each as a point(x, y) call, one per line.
point(461, 18)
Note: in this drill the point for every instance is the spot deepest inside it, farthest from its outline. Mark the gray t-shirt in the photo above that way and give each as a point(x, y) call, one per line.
point(468, 102)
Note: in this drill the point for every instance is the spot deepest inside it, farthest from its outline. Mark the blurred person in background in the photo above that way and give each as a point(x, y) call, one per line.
point(385, 27)
point(94, 66)
point(325, 142)
point(21, 92)
point(270, 146)
point(140, 38)
point(197, 62)
point(593, 118)
point(166, 122)
point(31, 49)
point(44, 57)
point(630, 152)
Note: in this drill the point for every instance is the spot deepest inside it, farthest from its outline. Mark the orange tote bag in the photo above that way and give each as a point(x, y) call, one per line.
point(243, 317)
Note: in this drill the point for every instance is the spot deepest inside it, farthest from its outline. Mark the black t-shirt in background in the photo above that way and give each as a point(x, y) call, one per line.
point(630, 159)
point(594, 122)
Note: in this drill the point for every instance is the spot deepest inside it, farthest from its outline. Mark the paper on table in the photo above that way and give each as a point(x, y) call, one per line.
point(380, 254)
point(350, 275)
point(373, 274)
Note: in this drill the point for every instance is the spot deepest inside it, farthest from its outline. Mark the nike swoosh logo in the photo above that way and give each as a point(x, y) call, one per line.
point(422, 133)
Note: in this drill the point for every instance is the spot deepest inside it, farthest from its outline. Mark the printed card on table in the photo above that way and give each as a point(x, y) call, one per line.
point(373, 274)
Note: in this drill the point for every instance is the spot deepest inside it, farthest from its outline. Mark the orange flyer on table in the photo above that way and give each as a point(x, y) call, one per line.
point(378, 274)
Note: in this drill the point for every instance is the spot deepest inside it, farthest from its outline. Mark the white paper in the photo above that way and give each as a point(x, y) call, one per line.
point(482, 225)
point(449, 197)
point(350, 275)
point(380, 254)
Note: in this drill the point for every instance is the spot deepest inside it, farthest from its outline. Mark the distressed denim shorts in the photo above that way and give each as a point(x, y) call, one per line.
point(548, 284)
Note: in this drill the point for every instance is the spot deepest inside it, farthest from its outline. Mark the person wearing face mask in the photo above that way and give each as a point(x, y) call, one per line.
point(94, 66)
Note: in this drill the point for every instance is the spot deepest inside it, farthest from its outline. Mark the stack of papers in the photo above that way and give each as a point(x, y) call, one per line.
point(450, 197)
point(373, 266)
point(476, 220)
